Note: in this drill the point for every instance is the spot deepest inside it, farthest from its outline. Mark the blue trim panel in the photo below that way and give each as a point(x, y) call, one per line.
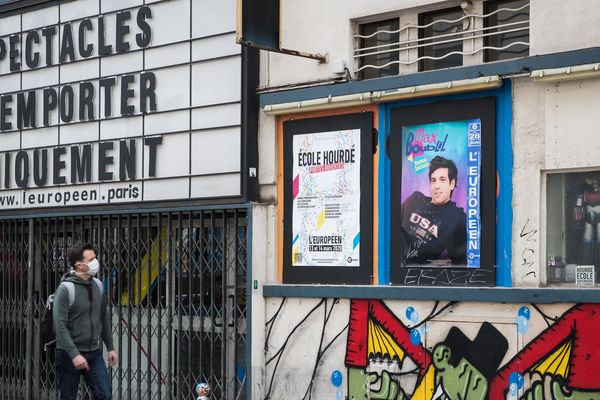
point(504, 163)
point(522, 65)
point(504, 167)
point(489, 295)
point(383, 199)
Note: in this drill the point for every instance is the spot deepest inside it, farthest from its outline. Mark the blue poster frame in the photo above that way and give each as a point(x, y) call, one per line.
point(504, 165)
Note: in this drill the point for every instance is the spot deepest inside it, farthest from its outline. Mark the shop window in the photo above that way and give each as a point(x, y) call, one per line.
point(441, 36)
point(573, 229)
point(377, 41)
point(507, 26)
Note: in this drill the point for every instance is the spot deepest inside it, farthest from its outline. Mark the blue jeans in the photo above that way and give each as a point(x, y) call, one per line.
point(96, 377)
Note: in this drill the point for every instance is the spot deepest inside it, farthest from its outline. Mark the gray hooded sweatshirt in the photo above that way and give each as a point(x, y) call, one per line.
point(80, 326)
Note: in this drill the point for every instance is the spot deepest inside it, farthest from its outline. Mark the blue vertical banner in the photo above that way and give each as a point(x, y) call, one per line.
point(473, 194)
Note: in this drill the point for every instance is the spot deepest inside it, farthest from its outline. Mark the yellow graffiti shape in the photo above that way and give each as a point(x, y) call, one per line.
point(381, 343)
point(151, 264)
point(557, 363)
point(426, 387)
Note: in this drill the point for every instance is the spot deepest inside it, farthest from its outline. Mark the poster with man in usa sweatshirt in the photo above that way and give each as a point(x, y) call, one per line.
point(440, 194)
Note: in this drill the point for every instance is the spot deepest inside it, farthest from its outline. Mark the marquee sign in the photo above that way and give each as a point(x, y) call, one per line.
point(109, 101)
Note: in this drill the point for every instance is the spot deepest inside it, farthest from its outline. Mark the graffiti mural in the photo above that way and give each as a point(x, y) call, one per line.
point(391, 350)
point(287, 350)
point(387, 360)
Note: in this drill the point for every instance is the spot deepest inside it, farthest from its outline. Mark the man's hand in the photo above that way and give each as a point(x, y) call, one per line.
point(389, 389)
point(113, 359)
point(80, 362)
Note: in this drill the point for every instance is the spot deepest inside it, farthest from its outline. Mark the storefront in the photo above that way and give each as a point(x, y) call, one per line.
point(131, 126)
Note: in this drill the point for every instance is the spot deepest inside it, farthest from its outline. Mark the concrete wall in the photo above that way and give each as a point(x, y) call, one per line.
point(263, 269)
point(557, 25)
point(313, 33)
point(316, 26)
point(356, 349)
point(555, 128)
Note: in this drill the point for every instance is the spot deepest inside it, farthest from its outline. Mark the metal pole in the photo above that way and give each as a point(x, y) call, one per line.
point(29, 311)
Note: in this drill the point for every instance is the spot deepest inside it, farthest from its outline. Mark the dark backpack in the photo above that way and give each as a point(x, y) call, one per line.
point(48, 331)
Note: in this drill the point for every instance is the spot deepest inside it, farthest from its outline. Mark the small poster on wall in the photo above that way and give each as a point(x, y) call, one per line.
point(326, 199)
point(327, 215)
point(440, 214)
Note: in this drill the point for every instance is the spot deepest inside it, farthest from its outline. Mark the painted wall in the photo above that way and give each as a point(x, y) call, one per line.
point(357, 349)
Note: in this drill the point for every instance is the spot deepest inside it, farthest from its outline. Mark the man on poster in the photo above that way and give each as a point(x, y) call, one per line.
point(434, 228)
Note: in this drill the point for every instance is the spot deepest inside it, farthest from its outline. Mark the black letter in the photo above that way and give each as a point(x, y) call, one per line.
point(104, 161)
point(152, 142)
point(59, 164)
point(32, 59)
point(143, 39)
point(15, 64)
point(127, 159)
point(2, 49)
point(86, 100)
point(107, 84)
point(26, 110)
point(6, 170)
point(4, 110)
point(66, 46)
point(103, 49)
point(85, 51)
point(22, 169)
point(66, 107)
point(81, 166)
point(126, 94)
point(47, 33)
point(122, 30)
point(50, 102)
point(147, 91)
point(40, 175)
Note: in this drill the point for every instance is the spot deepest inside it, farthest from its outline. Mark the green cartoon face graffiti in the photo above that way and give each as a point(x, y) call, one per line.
point(460, 382)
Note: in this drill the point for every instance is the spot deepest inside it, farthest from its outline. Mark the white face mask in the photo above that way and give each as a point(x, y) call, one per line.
point(93, 267)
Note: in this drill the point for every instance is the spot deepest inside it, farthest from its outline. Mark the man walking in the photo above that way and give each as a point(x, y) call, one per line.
point(81, 318)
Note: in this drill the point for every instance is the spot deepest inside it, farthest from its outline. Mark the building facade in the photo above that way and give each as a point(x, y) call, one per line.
point(429, 195)
point(131, 125)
